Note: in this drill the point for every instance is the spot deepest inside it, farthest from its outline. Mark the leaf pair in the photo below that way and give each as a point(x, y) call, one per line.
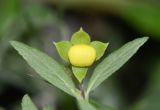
point(54, 73)
point(80, 37)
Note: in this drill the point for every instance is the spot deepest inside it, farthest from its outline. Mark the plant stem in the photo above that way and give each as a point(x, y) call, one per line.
point(82, 90)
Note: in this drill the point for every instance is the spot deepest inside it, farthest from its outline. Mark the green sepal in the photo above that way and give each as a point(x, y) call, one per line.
point(100, 48)
point(63, 48)
point(80, 37)
point(79, 73)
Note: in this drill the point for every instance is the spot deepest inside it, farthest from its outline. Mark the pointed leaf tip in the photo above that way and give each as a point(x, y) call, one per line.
point(27, 103)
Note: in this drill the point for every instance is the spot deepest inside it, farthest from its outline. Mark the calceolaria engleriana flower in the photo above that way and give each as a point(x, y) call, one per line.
point(80, 52)
point(82, 55)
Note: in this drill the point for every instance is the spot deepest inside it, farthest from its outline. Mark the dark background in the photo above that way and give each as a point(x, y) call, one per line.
point(38, 23)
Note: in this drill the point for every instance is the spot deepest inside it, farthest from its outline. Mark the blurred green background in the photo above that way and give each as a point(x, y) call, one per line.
point(38, 23)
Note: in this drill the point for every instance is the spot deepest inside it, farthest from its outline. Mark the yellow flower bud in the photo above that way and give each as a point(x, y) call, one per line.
point(82, 55)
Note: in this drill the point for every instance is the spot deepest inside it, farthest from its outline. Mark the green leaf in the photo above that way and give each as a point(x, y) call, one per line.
point(85, 105)
point(46, 67)
point(80, 37)
point(114, 61)
point(27, 103)
point(100, 48)
point(47, 108)
point(79, 73)
point(63, 48)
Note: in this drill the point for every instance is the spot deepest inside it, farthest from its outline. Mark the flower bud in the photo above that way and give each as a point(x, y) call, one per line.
point(82, 55)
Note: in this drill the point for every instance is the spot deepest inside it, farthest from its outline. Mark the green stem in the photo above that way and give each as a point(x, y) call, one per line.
point(82, 90)
point(83, 93)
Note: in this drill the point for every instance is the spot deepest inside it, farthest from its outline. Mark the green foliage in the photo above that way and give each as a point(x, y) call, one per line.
point(63, 48)
point(79, 73)
point(100, 48)
point(46, 67)
point(80, 37)
point(113, 62)
point(27, 103)
point(51, 71)
point(33, 17)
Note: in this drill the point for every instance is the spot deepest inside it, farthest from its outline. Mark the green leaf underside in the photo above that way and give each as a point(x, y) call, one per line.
point(46, 67)
point(27, 103)
point(114, 61)
point(80, 37)
point(63, 48)
point(100, 48)
point(79, 73)
point(47, 108)
point(85, 105)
